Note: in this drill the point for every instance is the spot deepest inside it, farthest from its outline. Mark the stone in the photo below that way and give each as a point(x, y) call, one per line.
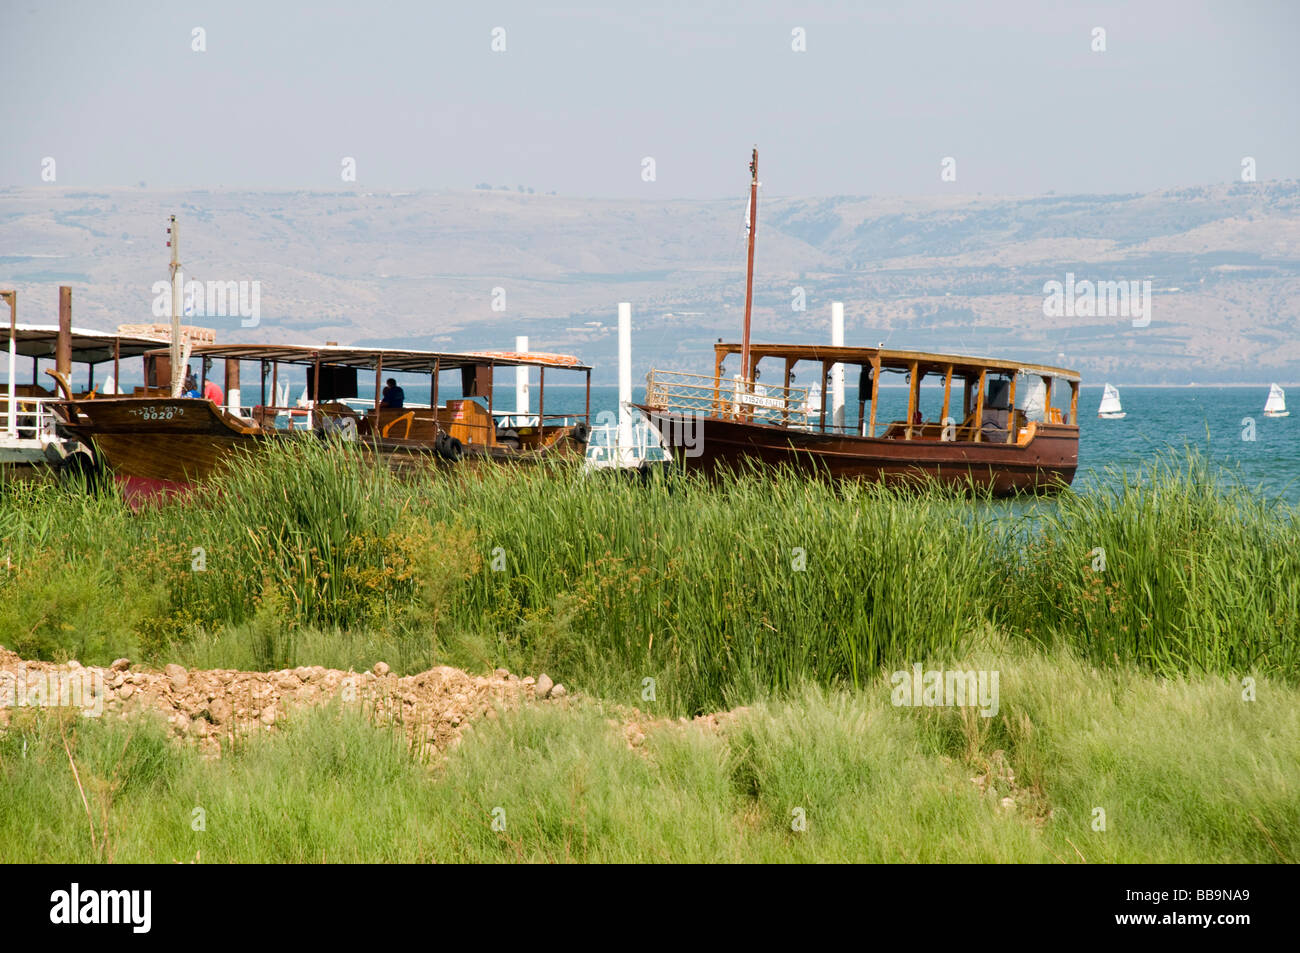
point(559, 691)
point(544, 685)
point(126, 691)
point(529, 680)
point(179, 677)
point(73, 664)
point(219, 711)
point(501, 673)
point(381, 669)
point(268, 715)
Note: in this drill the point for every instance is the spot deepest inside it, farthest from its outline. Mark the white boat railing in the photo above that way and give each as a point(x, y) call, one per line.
point(32, 419)
point(604, 451)
point(697, 393)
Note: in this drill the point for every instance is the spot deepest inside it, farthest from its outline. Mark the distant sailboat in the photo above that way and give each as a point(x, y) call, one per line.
point(1110, 408)
point(1275, 406)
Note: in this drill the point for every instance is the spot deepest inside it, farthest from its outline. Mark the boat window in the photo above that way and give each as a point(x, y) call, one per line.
point(1031, 397)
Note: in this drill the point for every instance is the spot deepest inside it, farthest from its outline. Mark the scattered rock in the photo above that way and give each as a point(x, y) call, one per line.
point(559, 691)
point(219, 711)
point(544, 685)
point(529, 680)
point(178, 676)
point(502, 673)
point(381, 669)
point(126, 691)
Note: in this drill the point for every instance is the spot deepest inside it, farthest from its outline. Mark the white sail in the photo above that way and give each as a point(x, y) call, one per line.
point(1276, 404)
point(1110, 401)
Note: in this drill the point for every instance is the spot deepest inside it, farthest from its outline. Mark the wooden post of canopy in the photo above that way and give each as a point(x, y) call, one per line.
point(718, 358)
point(979, 407)
point(437, 372)
point(586, 412)
point(63, 344)
point(862, 404)
point(379, 381)
point(541, 399)
point(1047, 398)
point(913, 396)
point(826, 373)
point(315, 391)
point(232, 379)
point(785, 400)
point(1074, 403)
point(263, 368)
point(947, 397)
point(275, 383)
point(117, 365)
point(1011, 411)
point(875, 392)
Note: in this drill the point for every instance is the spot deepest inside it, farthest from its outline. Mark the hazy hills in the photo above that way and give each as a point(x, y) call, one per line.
point(963, 273)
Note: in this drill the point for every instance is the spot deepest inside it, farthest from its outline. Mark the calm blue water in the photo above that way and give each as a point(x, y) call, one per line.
point(1207, 418)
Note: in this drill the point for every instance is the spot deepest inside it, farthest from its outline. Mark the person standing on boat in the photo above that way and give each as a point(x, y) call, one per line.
point(191, 388)
point(394, 397)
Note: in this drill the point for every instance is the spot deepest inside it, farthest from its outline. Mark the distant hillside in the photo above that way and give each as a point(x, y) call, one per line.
point(963, 273)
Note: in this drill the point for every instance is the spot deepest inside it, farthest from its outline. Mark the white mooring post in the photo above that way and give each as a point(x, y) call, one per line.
point(521, 383)
point(11, 414)
point(624, 380)
point(837, 371)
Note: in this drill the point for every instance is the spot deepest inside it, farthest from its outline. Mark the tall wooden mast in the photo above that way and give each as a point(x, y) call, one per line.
point(749, 273)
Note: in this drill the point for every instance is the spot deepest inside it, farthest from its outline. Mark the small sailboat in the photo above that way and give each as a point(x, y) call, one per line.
point(1275, 406)
point(1110, 408)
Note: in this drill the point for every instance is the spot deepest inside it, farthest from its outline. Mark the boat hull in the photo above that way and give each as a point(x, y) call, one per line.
point(158, 447)
point(1045, 463)
point(1118, 416)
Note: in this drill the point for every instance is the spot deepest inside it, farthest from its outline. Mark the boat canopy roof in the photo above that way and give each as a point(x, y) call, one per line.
point(893, 359)
point(391, 359)
point(88, 347)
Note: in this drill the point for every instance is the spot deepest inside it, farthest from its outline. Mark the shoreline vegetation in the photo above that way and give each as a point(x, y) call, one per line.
point(1145, 634)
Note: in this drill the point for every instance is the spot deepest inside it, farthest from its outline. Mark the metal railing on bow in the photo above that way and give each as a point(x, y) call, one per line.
point(698, 394)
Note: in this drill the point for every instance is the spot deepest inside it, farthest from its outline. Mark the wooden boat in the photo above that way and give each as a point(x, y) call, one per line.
point(980, 439)
point(29, 442)
point(160, 444)
point(1275, 406)
point(988, 442)
point(1110, 408)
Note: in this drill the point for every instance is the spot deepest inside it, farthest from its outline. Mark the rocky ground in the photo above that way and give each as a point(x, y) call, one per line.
point(214, 708)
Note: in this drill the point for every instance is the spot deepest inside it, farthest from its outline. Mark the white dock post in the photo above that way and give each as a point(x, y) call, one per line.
point(837, 370)
point(11, 424)
point(624, 380)
point(521, 382)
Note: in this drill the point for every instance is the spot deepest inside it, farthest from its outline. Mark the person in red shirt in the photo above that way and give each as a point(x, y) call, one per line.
point(213, 392)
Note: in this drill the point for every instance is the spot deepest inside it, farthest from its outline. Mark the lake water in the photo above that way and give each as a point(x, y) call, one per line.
point(1215, 420)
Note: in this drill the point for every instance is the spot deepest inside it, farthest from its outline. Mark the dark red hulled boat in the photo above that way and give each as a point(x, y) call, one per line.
point(1006, 437)
point(982, 436)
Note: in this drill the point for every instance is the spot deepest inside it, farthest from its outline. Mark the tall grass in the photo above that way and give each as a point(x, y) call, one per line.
point(721, 592)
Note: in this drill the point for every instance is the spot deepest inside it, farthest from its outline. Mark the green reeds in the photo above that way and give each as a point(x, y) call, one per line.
point(719, 592)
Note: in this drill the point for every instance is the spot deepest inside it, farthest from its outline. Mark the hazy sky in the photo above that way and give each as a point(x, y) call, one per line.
point(114, 92)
